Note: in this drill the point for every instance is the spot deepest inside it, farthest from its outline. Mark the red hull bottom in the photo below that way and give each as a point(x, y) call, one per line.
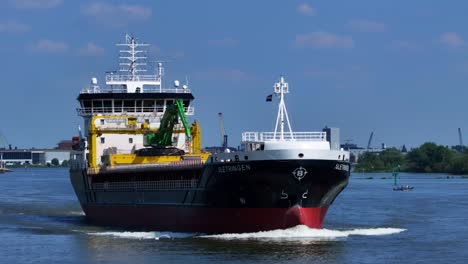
point(204, 220)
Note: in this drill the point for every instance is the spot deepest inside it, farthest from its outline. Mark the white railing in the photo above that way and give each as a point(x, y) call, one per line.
point(296, 136)
point(137, 78)
point(147, 89)
point(129, 110)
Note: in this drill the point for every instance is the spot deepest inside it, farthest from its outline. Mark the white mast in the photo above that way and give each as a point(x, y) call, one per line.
point(281, 88)
point(131, 63)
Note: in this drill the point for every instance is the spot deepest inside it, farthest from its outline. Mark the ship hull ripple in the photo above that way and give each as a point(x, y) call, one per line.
point(242, 196)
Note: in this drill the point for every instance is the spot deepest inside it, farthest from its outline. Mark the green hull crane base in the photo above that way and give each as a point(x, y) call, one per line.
point(163, 137)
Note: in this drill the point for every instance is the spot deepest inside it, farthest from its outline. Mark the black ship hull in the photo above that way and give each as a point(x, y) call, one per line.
point(219, 197)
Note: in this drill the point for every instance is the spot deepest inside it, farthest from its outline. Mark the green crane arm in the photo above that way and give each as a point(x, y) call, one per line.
point(163, 137)
point(180, 106)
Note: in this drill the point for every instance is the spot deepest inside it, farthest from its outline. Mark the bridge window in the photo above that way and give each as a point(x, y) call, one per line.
point(107, 106)
point(97, 106)
point(139, 104)
point(86, 104)
point(129, 105)
point(148, 105)
point(159, 106)
point(118, 106)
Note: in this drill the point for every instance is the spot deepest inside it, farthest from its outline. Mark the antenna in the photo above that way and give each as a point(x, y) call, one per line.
point(129, 60)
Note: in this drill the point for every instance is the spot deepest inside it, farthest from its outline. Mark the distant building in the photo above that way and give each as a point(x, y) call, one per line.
point(333, 136)
point(355, 152)
point(65, 145)
point(22, 156)
point(35, 156)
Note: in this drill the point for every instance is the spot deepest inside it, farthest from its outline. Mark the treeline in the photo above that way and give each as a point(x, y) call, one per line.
point(429, 157)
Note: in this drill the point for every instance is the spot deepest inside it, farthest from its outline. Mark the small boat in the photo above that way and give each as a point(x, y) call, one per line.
point(401, 187)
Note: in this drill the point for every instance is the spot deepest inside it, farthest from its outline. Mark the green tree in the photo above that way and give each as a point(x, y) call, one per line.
point(429, 157)
point(369, 162)
point(65, 163)
point(459, 164)
point(392, 158)
point(55, 162)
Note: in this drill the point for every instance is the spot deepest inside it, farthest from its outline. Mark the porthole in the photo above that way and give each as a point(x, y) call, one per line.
point(301, 155)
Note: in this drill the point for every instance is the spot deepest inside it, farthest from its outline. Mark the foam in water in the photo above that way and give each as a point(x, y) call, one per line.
point(294, 233)
point(304, 232)
point(143, 235)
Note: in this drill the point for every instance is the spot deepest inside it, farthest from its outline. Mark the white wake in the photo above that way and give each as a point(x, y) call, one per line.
point(304, 232)
point(143, 235)
point(294, 233)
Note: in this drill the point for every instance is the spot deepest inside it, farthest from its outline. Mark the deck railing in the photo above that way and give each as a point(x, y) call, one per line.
point(147, 89)
point(137, 78)
point(294, 136)
point(92, 110)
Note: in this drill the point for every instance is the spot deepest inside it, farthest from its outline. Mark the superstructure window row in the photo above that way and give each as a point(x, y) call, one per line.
point(132, 106)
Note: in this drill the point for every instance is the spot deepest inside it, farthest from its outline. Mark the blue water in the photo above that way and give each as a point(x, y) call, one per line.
point(41, 222)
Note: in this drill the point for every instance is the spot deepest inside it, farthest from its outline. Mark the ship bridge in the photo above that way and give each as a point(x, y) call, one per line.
point(132, 101)
point(128, 91)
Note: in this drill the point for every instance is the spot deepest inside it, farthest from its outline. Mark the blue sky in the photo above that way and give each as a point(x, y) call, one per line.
point(398, 68)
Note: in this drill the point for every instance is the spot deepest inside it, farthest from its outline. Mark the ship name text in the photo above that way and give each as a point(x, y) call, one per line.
point(344, 167)
point(234, 168)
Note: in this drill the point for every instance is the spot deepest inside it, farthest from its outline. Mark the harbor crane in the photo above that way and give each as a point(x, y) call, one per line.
point(460, 139)
point(224, 137)
point(3, 141)
point(370, 140)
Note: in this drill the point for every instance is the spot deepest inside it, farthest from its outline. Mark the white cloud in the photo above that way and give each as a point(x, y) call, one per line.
point(13, 26)
point(91, 49)
point(35, 4)
point(320, 39)
point(451, 39)
point(117, 15)
point(49, 46)
point(362, 25)
point(306, 9)
point(224, 42)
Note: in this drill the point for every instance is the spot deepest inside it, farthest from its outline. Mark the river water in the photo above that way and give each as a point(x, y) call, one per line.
point(42, 222)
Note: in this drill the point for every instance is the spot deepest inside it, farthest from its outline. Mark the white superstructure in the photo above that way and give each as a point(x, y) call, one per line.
point(132, 98)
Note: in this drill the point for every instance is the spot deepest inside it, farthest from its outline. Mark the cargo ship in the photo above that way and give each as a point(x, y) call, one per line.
point(140, 163)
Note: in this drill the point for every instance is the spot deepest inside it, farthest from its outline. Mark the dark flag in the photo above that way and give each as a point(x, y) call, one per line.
point(269, 98)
